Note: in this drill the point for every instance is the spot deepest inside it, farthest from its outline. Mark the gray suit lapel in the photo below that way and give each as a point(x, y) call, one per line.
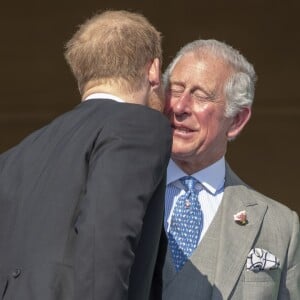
point(235, 240)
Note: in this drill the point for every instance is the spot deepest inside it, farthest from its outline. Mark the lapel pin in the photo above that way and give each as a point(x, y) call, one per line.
point(187, 204)
point(241, 217)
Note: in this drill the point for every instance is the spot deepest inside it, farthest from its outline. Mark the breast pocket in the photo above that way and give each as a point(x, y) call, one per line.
point(261, 285)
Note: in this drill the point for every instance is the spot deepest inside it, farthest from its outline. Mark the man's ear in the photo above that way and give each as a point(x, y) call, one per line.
point(238, 122)
point(154, 73)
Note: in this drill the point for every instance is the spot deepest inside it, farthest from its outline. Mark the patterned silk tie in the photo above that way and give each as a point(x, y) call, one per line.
point(186, 224)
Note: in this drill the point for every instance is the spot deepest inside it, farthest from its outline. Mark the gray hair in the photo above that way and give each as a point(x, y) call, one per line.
point(240, 87)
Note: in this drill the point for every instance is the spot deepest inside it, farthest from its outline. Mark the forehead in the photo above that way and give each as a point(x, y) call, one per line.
point(200, 68)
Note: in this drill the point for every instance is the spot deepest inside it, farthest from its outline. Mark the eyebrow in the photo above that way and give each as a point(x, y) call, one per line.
point(177, 82)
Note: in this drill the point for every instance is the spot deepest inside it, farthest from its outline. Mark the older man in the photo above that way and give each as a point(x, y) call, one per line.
point(226, 240)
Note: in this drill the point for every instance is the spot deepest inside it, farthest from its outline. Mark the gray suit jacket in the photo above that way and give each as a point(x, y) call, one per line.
point(81, 205)
point(217, 268)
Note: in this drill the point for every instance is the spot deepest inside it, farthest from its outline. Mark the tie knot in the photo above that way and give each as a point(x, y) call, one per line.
point(189, 182)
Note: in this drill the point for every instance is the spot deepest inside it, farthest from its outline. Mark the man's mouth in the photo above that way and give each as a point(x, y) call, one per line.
point(182, 129)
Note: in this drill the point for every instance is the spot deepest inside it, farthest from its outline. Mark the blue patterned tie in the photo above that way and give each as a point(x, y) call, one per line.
point(186, 224)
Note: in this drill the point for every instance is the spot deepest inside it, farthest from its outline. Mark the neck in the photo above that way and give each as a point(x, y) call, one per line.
point(138, 97)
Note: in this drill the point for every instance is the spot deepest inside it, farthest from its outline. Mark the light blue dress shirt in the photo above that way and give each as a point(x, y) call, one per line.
point(210, 186)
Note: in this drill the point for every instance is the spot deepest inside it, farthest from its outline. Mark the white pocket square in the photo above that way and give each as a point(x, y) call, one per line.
point(260, 259)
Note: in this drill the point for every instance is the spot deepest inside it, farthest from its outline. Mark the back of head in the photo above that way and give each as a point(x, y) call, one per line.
point(113, 46)
point(240, 86)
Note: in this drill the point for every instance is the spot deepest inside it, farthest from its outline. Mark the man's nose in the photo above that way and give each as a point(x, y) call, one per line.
point(182, 104)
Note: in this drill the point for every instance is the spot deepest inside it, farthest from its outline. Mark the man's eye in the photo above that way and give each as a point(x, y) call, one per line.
point(176, 92)
point(201, 96)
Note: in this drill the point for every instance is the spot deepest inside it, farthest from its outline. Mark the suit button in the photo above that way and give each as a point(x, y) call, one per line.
point(16, 273)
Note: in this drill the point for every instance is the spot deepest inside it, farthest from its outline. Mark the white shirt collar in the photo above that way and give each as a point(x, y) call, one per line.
point(212, 177)
point(103, 96)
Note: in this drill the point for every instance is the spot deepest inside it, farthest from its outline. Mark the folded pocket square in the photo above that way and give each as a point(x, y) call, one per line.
point(260, 259)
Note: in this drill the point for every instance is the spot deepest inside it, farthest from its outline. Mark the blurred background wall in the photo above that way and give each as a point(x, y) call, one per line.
point(36, 84)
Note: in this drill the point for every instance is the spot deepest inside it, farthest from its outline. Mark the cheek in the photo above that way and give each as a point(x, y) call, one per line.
point(204, 116)
point(209, 115)
point(156, 100)
point(167, 108)
point(211, 127)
